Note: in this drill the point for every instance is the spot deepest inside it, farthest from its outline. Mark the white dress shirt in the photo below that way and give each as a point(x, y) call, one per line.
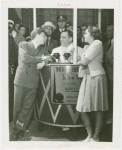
point(61, 50)
point(61, 30)
point(14, 33)
point(112, 41)
point(35, 45)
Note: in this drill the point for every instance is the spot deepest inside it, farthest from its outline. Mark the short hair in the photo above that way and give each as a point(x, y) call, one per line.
point(21, 26)
point(84, 25)
point(35, 32)
point(95, 32)
point(70, 27)
point(79, 27)
point(70, 33)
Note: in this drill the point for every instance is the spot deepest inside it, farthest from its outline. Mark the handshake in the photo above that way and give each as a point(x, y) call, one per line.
point(45, 60)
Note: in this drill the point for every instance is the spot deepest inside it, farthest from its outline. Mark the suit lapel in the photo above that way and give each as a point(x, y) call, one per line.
point(110, 51)
point(50, 45)
point(32, 49)
point(51, 42)
point(31, 45)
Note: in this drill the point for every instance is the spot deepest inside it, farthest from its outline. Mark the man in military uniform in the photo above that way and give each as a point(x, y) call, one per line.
point(62, 21)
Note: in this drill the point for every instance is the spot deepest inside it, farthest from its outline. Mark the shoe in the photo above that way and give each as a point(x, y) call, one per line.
point(16, 133)
point(94, 140)
point(65, 128)
point(109, 119)
point(88, 139)
point(21, 134)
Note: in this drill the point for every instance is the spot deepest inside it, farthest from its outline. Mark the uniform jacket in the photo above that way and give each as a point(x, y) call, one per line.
point(56, 36)
point(108, 59)
point(27, 75)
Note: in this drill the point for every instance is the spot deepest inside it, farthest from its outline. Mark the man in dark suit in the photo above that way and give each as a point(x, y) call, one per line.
point(62, 21)
point(13, 62)
point(108, 63)
point(82, 41)
point(50, 44)
point(79, 42)
point(26, 80)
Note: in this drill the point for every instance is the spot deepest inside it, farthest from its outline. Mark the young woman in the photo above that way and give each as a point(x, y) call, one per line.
point(93, 91)
point(21, 35)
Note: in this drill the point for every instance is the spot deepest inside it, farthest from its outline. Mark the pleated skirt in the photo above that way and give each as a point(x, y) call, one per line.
point(93, 94)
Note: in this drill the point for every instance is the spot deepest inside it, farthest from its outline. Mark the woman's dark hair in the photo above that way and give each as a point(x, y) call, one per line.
point(95, 32)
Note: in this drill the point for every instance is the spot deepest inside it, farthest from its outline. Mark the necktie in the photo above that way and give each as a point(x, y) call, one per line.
point(109, 45)
point(47, 42)
point(83, 40)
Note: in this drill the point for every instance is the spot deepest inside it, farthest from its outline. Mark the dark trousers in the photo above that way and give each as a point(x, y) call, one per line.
point(11, 92)
point(110, 95)
point(23, 106)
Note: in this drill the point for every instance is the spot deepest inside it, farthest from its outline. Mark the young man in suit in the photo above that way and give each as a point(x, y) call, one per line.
point(83, 29)
point(79, 42)
point(62, 22)
point(26, 80)
point(108, 63)
point(50, 44)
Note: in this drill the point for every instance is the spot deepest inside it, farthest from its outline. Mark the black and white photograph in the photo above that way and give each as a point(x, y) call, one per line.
point(61, 71)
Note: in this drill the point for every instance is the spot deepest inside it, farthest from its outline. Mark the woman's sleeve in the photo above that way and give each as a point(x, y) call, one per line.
point(94, 51)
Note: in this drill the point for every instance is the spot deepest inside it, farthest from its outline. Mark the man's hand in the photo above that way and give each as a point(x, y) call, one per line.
point(79, 63)
point(83, 67)
point(40, 65)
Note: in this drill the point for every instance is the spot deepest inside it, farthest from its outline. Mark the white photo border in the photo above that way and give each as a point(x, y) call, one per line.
point(85, 4)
